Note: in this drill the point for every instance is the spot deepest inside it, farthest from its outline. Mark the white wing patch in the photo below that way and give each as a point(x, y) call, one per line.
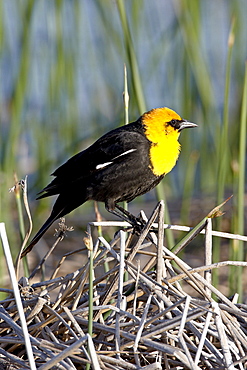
point(99, 166)
point(102, 165)
point(124, 153)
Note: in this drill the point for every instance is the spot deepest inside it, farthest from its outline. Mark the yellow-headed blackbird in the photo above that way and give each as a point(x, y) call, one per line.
point(119, 166)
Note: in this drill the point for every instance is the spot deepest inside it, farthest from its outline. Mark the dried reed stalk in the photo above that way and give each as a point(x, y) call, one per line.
point(147, 321)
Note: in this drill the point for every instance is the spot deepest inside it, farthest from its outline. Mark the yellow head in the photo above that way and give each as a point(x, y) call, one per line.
point(162, 128)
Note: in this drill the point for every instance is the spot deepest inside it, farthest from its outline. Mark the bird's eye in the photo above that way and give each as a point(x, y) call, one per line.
point(175, 123)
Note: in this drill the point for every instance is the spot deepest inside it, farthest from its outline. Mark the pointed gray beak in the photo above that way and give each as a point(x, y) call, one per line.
point(186, 124)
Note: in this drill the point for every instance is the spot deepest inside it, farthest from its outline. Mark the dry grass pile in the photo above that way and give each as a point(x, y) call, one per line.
point(142, 316)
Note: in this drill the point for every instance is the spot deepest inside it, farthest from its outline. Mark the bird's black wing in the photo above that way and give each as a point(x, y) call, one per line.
point(111, 148)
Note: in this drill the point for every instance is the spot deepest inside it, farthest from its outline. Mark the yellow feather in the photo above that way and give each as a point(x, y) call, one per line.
point(165, 147)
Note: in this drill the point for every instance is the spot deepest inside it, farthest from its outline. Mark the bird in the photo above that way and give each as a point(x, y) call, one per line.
point(126, 162)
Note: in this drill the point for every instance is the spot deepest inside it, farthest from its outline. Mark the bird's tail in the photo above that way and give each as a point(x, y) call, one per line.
point(53, 217)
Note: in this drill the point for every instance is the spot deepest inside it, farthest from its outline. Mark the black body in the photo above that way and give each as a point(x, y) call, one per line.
point(115, 168)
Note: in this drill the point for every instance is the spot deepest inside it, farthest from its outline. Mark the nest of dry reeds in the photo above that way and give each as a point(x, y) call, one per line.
point(113, 314)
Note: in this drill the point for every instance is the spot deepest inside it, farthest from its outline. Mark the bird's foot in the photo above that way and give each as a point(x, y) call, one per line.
point(137, 223)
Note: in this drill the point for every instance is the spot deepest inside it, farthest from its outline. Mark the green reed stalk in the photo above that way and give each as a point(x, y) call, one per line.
point(223, 157)
point(236, 273)
point(135, 75)
point(10, 139)
point(242, 172)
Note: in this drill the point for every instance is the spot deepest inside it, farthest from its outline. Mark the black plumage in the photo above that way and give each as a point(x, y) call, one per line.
point(115, 168)
point(124, 163)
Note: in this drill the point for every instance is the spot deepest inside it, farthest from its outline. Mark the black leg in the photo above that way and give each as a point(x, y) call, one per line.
point(122, 213)
point(131, 218)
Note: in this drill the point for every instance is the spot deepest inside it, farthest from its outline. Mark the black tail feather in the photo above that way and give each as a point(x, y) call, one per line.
point(64, 204)
point(40, 233)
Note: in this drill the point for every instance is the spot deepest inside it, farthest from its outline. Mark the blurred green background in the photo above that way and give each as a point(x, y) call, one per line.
point(61, 73)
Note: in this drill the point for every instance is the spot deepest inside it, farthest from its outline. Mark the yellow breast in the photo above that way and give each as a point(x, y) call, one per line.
point(164, 155)
point(165, 147)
